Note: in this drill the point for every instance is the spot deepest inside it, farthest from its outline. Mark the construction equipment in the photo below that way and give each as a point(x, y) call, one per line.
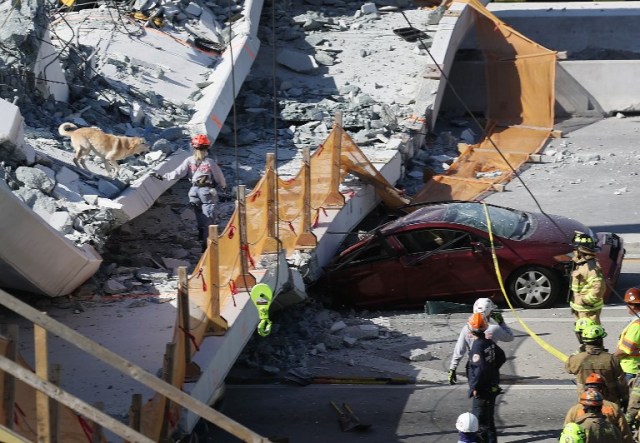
point(261, 296)
point(347, 419)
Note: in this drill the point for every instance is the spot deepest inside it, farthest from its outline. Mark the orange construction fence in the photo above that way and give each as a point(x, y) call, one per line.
point(520, 115)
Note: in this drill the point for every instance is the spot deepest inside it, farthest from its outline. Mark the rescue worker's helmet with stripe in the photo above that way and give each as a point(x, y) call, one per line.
point(477, 322)
point(200, 142)
point(572, 433)
point(484, 305)
point(583, 323)
point(584, 243)
point(595, 379)
point(467, 422)
point(593, 333)
point(632, 296)
point(591, 397)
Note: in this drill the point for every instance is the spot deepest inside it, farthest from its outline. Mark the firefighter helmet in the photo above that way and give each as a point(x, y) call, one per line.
point(477, 322)
point(484, 305)
point(582, 324)
point(200, 141)
point(467, 422)
point(591, 397)
point(594, 379)
point(584, 243)
point(593, 333)
point(572, 433)
point(632, 296)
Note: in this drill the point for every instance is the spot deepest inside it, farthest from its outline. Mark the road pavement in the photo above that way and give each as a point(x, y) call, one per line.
point(537, 390)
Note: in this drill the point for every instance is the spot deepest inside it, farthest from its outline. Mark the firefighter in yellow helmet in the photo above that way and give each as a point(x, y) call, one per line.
point(595, 358)
point(587, 281)
point(628, 351)
point(572, 433)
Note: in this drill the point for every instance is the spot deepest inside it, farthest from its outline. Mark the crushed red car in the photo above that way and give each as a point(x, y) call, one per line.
point(442, 252)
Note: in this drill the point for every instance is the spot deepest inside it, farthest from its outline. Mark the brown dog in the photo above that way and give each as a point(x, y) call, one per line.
point(108, 147)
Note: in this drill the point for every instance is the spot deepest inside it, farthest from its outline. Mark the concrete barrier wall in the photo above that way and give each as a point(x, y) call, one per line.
point(584, 87)
point(575, 26)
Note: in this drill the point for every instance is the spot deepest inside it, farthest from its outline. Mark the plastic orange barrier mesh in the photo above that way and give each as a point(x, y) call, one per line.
point(355, 162)
point(520, 84)
point(72, 428)
point(290, 210)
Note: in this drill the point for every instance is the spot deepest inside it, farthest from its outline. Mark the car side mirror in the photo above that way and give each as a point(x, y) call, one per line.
point(477, 247)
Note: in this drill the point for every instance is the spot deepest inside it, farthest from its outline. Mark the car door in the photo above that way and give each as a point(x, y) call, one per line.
point(444, 263)
point(369, 276)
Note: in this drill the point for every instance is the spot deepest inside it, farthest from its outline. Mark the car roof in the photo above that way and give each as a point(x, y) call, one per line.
point(433, 212)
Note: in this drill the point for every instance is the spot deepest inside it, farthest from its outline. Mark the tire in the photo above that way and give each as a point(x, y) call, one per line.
point(534, 287)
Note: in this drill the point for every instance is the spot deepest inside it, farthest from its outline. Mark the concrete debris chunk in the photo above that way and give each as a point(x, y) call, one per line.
point(350, 341)
point(35, 178)
point(113, 286)
point(296, 61)
point(621, 191)
point(338, 326)
point(417, 355)
point(369, 8)
point(362, 331)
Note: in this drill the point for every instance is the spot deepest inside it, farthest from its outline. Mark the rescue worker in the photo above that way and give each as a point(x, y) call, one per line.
point(572, 433)
point(609, 409)
point(496, 332)
point(596, 427)
point(580, 325)
point(483, 373)
point(205, 175)
point(595, 358)
point(587, 281)
point(467, 426)
point(633, 407)
point(628, 351)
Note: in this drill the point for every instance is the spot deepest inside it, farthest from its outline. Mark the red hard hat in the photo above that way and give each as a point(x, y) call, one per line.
point(632, 296)
point(595, 379)
point(200, 141)
point(591, 397)
point(477, 322)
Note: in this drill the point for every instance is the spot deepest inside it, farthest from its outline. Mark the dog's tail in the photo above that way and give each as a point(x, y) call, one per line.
point(66, 129)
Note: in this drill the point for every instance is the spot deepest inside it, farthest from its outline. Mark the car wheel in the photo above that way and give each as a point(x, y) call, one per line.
point(534, 287)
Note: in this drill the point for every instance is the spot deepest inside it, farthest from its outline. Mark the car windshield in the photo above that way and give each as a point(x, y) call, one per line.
point(506, 223)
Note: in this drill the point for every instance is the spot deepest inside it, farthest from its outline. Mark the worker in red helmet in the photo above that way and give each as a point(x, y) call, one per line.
point(483, 374)
point(610, 410)
point(628, 351)
point(205, 176)
point(597, 427)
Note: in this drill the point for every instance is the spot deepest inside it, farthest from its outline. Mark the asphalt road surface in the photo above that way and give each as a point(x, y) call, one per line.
point(537, 391)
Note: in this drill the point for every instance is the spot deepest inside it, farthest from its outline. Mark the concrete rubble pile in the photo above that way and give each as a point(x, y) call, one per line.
point(119, 94)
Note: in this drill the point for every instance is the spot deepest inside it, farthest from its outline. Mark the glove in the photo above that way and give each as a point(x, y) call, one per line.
point(453, 377)
point(497, 316)
point(156, 176)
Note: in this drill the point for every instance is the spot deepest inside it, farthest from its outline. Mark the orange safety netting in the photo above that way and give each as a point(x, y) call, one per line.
point(520, 99)
point(274, 207)
point(70, 426)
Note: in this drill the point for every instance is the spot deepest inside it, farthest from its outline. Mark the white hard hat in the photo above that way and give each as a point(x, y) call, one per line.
point(484, 305)
point(467, 422)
